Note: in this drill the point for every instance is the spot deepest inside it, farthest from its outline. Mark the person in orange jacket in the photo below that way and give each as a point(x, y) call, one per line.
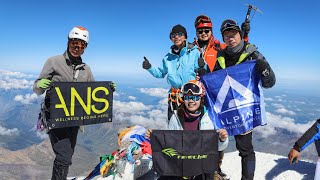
point(207, 44)
point(209, 48)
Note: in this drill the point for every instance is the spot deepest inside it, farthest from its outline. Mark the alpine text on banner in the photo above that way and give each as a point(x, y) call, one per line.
point(235, 98)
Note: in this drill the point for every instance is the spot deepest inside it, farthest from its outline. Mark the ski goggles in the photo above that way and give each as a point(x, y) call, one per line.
point(192, 97)
point(179, 34)
point(191, 88)
point(229, 24)
point(77, 43)
point(206, 31)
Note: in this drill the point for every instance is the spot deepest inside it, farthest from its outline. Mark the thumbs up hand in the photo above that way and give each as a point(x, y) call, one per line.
point(146, 64)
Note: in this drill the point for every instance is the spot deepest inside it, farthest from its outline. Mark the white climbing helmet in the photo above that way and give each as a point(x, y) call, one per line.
point(79, 32)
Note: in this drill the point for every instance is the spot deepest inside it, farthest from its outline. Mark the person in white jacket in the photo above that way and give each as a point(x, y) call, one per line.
point(192, 115)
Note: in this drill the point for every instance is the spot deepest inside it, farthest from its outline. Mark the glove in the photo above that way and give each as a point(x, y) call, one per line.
point(201, 71)
point(146, 64)
point(245, 27)
point(201, 62)
point(43, 83)
point(262, 67)
point(113, 86)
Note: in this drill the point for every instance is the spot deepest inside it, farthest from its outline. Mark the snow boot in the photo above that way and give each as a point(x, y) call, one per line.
point(220, 176)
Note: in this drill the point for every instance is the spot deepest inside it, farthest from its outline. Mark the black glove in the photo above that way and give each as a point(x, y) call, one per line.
point(201, 62)
point(245, 28)
point(146, 64)
point(201, 71)
point(262, 67)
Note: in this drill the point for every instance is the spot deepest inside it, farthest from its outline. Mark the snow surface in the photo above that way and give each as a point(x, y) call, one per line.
point(268, 166)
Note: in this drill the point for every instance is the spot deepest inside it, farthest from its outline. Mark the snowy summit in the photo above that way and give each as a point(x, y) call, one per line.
point(268, 167)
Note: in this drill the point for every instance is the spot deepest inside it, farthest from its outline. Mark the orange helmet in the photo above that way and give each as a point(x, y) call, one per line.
point(193, 87)
point(203, 21)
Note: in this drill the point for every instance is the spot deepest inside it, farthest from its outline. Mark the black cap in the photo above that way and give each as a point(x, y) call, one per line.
point(178, 28)
point(229, 24)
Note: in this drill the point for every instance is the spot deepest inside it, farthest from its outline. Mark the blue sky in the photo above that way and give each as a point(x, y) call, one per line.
point(122, 32)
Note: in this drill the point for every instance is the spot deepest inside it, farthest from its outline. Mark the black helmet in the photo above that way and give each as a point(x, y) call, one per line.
point(228, 25)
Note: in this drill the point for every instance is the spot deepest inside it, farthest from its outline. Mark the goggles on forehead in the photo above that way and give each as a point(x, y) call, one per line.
point(191, 88)
point(203, 20)
point(229, 24)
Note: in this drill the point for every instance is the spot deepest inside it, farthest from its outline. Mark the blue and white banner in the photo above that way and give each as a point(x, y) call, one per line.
point(234, 98)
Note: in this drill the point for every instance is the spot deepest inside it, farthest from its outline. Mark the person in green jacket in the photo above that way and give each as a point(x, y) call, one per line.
point(238, 51)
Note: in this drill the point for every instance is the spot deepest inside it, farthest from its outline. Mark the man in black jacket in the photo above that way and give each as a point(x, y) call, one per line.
point(236, 52)
point(310, 136)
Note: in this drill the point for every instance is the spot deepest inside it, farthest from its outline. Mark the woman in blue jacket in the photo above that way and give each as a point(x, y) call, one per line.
point(179, 65)
point(192, 115)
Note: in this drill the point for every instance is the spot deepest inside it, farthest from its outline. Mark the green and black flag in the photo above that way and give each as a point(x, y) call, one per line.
point(184, 153)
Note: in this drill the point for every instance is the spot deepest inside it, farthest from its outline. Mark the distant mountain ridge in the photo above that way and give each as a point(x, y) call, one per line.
point(35, 162)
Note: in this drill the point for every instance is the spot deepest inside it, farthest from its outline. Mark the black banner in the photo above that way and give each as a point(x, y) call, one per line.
point(184, 153)
point(79, 103)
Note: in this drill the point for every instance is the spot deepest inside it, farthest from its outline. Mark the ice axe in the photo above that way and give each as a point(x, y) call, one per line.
point(247, 19)
point(250, 7)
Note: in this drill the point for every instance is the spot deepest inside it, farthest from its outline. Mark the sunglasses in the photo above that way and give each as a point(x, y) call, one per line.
point(192, 97)
point(191, 88)
point(179, 34)
point(78, 43)
point(200, 31)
